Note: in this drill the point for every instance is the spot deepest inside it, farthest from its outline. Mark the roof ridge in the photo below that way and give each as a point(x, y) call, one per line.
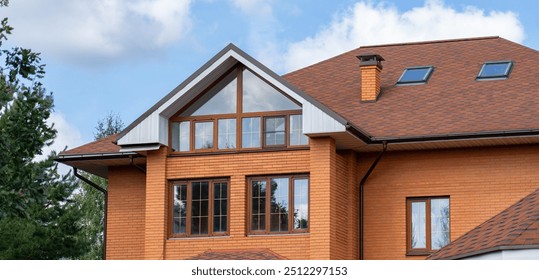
point(432, 42)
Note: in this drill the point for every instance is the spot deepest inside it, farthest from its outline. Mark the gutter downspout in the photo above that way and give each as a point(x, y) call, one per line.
point(104, 191)
point(361, 190)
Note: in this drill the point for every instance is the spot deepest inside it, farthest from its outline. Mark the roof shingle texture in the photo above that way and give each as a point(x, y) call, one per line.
point(516, 226)
point(101, 146)
point(254, 254)
point(451, 102)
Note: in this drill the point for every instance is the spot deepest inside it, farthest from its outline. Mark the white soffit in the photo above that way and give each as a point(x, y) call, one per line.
point(154, 128)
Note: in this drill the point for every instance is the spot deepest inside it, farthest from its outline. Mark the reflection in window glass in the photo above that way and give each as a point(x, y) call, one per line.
point(301, 203)
point(258, 205)
point(275, 131)
point(203, 135)
point(439, 217)
point(226, 132)
point(250, 132)
point(419, 231)
point(259, 96)
point(220, 204)
point(279, 204)
point(219, 100)
point(296, 131)
point(180, 209)
point(495, 70)
point(199, 207)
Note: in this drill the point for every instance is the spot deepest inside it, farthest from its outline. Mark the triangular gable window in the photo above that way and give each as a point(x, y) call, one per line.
point(234, 115)
point(221, 99)
point(259, 96)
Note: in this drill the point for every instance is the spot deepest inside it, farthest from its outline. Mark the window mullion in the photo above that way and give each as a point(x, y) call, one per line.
point(428, 225)
point(268, 204)
point(291, 204)
point(189, 205)
point(210, 208)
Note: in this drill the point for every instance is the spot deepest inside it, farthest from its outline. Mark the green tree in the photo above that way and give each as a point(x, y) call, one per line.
point(38, 218)
point(92, 201)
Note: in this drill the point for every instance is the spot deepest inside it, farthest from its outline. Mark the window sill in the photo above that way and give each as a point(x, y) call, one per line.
point(198, 237)
point(278, 234)
point(419, 253)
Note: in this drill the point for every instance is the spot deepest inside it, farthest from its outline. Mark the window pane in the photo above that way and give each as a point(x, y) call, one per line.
point(439, 227)
point(419, 228)
point(259, 96)
point(221, 99)
point(203, 135)
point(180, 209)
point(296, 131)
point(250, 132)
point(301, 203)
point(199, 207)
point(415, 75)
point(226, 134)
point(220, 201)
point(275, 131)
point(258, 205)
point(492, 70)
point(279, 204)
point(180, 136)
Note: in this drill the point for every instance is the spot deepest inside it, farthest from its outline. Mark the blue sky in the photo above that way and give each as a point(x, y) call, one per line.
point(122, 56)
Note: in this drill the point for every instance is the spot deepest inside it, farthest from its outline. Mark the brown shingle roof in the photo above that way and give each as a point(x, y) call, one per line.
point(452, 101)
point(254, 254)
point(101, 146)
point(515, 227)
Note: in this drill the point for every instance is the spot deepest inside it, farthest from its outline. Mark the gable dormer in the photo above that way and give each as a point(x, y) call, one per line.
point(260, 93)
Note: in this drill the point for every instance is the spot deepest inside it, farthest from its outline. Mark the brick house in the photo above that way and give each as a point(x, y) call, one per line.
point(382, 152)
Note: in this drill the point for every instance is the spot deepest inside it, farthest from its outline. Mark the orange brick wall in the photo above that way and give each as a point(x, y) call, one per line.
point(239, 167)
point(480, 183)
point(370, 82)
point(125, 225)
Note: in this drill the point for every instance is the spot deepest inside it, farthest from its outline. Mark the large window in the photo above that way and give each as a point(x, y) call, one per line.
point(199, 208)
point(278, 204)
point(427, 224)
point(241, 111)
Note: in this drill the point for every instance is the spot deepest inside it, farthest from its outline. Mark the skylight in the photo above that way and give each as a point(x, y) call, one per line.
point(415, 75)
point(495, 70)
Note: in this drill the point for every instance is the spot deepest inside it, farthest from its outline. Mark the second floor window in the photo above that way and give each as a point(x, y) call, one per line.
point(427, 224)
point(200, 208)
point(278, 204)
point(241, 111)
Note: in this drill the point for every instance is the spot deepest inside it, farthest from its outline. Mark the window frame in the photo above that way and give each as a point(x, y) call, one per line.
point(495, 77)
point(211, 203)
point(425, 79)
point(267, 218)
point(239, 115)
point(428, 245)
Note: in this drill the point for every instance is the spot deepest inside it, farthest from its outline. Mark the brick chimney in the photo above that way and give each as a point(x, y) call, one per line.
point(370, 65)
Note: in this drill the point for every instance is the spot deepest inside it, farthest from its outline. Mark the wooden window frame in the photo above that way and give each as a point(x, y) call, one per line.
point(189, 205)
point(267, 218)
point(428, 250)
point(239, 115)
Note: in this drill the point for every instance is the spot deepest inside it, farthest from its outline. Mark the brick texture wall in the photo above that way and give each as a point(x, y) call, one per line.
point(370, 83)
point(239, 167)
point(125, 226)
point(480, 182)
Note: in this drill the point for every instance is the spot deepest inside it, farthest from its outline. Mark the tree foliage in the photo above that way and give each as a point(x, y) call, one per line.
point(38, 218)
point(92, 201)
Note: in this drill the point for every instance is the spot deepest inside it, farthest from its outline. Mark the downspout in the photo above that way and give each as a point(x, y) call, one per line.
point(361, 190)
point(102, 190)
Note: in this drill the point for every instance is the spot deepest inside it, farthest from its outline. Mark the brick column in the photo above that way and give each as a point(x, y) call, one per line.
point(322, 178)
point(155, 213)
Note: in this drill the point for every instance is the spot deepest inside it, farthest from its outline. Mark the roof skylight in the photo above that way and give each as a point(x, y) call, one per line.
point(495, 70)
point(415, 75)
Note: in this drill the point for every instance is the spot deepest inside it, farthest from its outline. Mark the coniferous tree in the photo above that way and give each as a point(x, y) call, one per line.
point(38, 218)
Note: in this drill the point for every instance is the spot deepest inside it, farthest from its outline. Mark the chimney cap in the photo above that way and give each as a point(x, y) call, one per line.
point(368, 59)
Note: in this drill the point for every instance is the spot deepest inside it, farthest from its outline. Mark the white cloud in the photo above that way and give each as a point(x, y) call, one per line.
point(366, 23)
point(263, 29)
point(98, 30)
point(67, 135)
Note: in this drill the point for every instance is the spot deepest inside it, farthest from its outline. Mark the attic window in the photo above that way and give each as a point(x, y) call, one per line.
point(495, 70)
point(415, 75)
